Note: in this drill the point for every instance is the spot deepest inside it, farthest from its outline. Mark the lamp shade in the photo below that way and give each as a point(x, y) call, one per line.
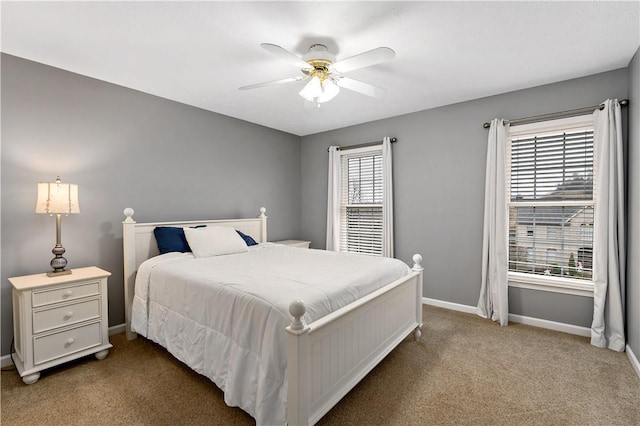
point(57, 197)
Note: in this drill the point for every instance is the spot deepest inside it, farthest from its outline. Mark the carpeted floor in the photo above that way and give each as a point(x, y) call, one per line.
point(465, 370)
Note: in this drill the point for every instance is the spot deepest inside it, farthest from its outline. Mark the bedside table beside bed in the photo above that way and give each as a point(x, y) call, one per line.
point(294, 243)
point(59, 319)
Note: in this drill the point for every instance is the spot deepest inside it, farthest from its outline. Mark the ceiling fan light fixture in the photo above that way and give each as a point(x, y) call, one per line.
point(319, 91)
point(312, 89)
point(329, 91)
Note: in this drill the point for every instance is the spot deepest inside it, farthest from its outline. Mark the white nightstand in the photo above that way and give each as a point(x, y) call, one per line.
point(294, 243)
point(58, 319)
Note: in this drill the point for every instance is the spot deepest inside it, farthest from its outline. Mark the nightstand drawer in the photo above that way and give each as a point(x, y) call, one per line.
point(48, 319)
point(47, 297)
point(56, 345)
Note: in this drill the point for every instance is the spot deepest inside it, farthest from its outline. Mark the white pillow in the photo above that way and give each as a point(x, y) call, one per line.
point(214, 241)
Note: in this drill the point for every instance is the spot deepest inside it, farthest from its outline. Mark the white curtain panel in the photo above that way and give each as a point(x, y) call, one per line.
point(494, 301)
point(333, 200)
point(607, 329)
point(387, 193)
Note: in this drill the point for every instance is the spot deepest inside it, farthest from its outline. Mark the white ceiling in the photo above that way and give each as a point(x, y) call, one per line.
point(199, 53)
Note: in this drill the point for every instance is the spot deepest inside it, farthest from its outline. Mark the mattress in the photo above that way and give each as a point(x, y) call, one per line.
point(225, 316)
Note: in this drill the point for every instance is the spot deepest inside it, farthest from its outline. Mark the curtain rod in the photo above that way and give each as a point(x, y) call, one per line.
point(362, 145)
point(561, 114)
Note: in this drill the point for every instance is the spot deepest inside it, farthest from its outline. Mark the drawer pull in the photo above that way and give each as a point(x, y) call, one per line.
point(67, 293)
point(69, 342)
point(68, 315)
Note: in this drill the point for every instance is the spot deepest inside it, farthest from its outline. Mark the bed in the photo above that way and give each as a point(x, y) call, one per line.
point(288, 351)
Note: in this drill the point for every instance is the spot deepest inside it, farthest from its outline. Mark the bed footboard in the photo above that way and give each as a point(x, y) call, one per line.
point(328, 357)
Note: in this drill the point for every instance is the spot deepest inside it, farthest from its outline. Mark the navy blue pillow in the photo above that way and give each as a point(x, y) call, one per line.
point(172, 239)
point(247, 239)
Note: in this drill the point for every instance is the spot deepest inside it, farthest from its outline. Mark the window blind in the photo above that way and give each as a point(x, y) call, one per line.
point(552, 167)
point(551, 204)
point(361, 203)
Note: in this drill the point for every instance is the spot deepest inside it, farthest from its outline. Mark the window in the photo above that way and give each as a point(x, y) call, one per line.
point(361, 201)
point(551, 204)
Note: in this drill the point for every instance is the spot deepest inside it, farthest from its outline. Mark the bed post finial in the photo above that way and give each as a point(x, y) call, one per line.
point(263, 226)
point(128, 212)
point(417, 262)
point(297, 310)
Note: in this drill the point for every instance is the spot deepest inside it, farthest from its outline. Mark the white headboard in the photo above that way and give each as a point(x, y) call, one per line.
point(139, 244)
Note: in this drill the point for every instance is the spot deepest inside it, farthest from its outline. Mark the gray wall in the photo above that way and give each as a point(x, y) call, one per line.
point(439, 168)
point(126, 149)
point(633, 243)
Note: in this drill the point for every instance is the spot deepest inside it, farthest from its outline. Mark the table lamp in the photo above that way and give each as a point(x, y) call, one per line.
point(57, 198)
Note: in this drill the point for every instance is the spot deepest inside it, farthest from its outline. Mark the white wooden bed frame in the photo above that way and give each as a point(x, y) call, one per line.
point(326, 358)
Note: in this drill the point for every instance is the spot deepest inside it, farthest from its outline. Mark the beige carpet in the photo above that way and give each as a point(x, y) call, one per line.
point(466, 370)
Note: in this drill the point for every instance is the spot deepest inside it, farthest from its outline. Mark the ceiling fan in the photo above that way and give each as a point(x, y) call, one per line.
point(325, 75)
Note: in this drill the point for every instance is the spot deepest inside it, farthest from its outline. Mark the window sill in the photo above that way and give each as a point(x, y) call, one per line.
point(552, 284)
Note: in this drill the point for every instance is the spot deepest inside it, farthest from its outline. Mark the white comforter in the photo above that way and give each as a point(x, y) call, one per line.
point(225, 316)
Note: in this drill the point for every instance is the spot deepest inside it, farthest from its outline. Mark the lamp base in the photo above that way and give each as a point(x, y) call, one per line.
point(59, 273)
point(58, 263)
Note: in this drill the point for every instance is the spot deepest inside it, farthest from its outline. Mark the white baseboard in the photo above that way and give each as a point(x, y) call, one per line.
point(116, 329)
point(449, 305)
point(634, 360)
point(521, 319)
point(551, 325)
point(5, 360)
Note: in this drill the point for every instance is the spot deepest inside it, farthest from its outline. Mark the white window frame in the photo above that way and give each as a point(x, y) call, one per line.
point(344, 156)
point(541, 282)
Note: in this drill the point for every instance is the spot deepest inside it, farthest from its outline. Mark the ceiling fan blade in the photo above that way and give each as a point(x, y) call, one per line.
point(271, 83)
point(366, 59)
point(286, 55)
point(361, 87)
